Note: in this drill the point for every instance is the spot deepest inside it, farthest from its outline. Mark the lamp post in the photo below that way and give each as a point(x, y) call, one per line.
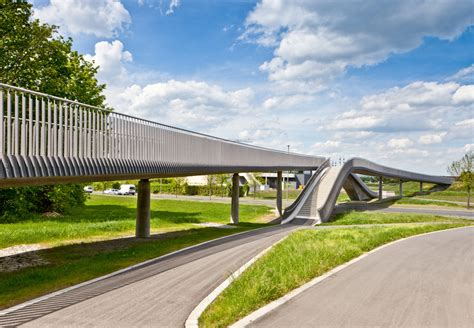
point(288, 179)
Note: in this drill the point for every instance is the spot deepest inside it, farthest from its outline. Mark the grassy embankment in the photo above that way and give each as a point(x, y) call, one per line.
point(106, 217)
point(307, 254)
point(103, 218)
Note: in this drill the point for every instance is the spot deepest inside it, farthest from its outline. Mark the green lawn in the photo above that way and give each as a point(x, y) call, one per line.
point(113, 216)
point(305, 254)
point(383, 218)
point(271, 194)
point(73, 264)
point(418, 201)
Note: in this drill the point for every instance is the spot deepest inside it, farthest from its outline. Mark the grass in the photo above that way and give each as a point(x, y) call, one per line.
point(418, 201)
point(385, 218)
point(271, 194)
point(106, 217)
point(73, 264)
point(305, 254)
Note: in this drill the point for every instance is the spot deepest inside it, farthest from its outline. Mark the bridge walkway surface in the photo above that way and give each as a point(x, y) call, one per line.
point(402, 285)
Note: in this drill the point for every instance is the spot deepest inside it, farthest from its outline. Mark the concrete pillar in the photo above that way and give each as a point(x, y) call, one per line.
point(401, 188)
point(380, 188)
point(279, 196)
point(142, 229)
point(421, 186)
point(234, 211)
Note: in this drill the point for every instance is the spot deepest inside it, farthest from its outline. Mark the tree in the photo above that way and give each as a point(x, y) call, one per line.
point(34, 56)
point(211, 181)
point(177, 185)
point(222, 180)
point(464, 170)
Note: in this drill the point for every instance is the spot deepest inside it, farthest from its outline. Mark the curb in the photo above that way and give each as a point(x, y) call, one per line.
point(252, 317)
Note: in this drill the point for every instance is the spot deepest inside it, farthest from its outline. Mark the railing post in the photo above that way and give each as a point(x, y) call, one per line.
point(143, 209)
point(380, 188)
point(234, 215)
point(279, 195)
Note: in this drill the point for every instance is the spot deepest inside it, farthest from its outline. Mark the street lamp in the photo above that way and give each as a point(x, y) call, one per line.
point(288, 179)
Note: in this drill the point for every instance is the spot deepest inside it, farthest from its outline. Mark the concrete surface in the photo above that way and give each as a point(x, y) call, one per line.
point(426, 281)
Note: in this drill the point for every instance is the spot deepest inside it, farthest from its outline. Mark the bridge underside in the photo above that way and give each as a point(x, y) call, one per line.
point(39, 170)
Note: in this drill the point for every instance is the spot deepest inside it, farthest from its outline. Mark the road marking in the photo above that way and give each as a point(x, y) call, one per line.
point(244, 322)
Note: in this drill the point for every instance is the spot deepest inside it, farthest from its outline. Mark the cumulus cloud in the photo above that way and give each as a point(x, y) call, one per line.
point(429, 139)
point(400, 143)
point(317, 40)
point(191, 104)
point(464, 94)
point(418, 106)
point(102, 18)
point(111, 58)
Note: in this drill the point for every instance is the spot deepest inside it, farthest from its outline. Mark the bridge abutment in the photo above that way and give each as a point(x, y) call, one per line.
point(142, 229)
point(279, 195)
point(234, 211)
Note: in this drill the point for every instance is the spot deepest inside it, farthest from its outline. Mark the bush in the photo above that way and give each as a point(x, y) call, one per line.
point(19, 203)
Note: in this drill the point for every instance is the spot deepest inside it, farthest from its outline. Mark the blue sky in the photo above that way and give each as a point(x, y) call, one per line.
point(390, 81)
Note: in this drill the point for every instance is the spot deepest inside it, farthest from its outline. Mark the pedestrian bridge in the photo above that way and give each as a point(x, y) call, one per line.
point(49, 140)
point(46, 139)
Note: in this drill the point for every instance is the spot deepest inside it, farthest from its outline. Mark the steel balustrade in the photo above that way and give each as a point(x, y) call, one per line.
point(47, 139)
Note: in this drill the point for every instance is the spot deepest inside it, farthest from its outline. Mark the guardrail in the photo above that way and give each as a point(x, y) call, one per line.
point(44, 137)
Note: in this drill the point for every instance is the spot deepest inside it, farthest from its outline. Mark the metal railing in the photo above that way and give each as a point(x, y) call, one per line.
point(43, 136)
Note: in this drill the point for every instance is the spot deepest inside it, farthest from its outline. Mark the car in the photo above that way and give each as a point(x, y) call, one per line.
point(127, 189)
point(88, 189)
point(110, 191)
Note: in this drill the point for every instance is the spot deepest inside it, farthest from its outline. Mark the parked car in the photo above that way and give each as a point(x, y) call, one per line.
point(88, 189)
point(126, 189)
point(111, 191)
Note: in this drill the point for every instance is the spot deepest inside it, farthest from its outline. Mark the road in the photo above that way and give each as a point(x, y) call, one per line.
point(424, 281)
point(161, 293)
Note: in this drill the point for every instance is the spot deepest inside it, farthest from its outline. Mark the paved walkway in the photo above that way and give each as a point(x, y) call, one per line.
point(161, 293)
point(426, 281)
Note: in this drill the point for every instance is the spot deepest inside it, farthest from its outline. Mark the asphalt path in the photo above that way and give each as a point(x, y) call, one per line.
point(425, 281)
point(161, 293)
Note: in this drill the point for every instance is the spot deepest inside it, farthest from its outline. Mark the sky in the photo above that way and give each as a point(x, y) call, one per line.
point(390, 81)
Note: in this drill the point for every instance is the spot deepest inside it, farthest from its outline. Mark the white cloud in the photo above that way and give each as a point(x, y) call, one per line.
point(190, 104)
point(464, 94)
point(418, 106)
point(429, 139)
point(400, 143)
point(110, 57)
point(317, 40)
point(102, 18)
point(173, 5)
point(465, 74)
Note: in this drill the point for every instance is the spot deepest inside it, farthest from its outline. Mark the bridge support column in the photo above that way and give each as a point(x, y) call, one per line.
point(380, 188)
point(421, 186)
point(234, 213)
point(279, 196)
point(142, 229)
point(401, 188)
